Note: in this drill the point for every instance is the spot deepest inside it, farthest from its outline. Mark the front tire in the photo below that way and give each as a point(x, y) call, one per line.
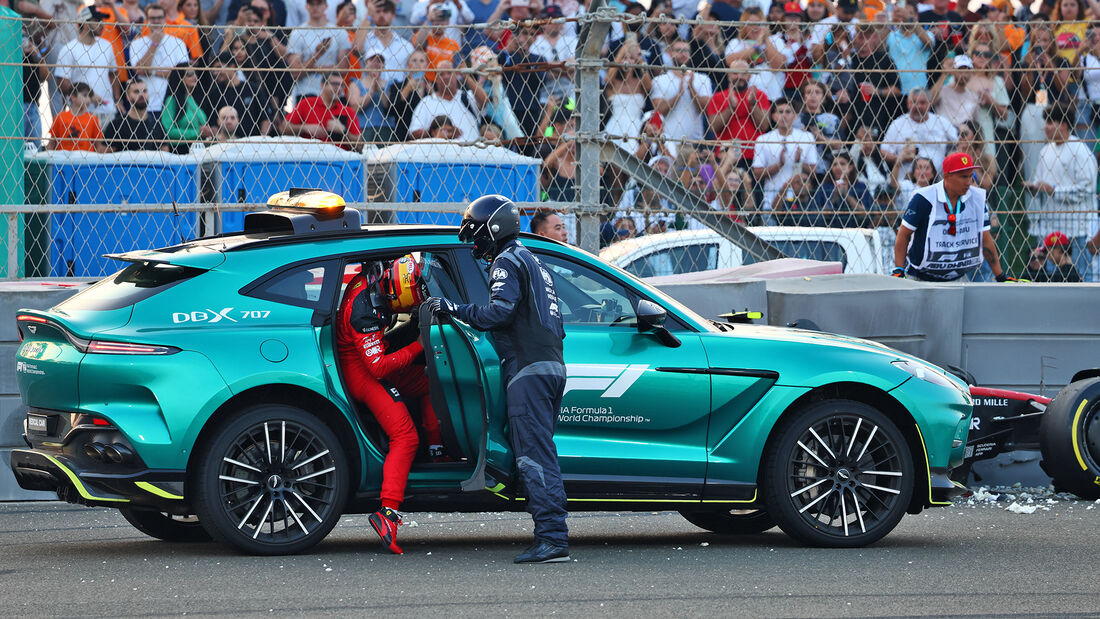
point(166, 527)
point(731, 522)
point(1069, 437)
point(272, 480)
point(838, 474)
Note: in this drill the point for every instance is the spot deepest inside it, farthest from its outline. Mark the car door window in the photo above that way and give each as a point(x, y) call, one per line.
point(586, 296)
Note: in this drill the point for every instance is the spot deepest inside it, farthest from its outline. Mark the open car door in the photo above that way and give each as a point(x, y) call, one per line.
point(464, 373)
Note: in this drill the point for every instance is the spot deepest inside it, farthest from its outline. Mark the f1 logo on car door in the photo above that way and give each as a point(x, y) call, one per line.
point(612, 379)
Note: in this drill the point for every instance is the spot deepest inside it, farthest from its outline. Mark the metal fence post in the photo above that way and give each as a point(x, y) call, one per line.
point(11, 124)
point(589, 44)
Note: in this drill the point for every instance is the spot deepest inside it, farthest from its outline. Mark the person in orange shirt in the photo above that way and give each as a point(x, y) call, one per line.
point(113, 35)
point(1000, 12)
point(346, 19)
point(76, 128)
point(176, 25)
point(434, 40)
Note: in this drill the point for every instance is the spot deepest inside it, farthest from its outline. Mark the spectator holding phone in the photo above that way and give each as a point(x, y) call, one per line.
point(324, 117)
point(462, 105)
point(910, 48)
point(367, 96)
point(316, 50)
point(761, 51)
point(434, 39)
point(380, 36)
point(454, 12)
point(407, 92)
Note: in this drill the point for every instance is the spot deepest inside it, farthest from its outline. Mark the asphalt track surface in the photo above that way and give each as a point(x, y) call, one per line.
point(966, 560)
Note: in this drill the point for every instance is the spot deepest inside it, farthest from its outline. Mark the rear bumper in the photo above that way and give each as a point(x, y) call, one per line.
point(57, 472)
point(942, 491)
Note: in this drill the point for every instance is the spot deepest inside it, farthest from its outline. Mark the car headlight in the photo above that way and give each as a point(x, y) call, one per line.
point(925, 373)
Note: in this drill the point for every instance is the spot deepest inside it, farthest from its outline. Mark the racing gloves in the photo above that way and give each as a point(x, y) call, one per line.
point(899, 272)
point(439, 306)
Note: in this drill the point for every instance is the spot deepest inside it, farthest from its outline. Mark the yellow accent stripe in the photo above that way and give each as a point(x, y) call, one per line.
point(79, 485)
point(150, 488)
point(495, 489)
point(928, 468)
point(1076, 448)
point(635, 500)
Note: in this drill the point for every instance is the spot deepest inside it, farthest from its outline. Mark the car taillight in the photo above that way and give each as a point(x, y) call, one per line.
point(96, 421)
point(125, 348)
point(28, 318)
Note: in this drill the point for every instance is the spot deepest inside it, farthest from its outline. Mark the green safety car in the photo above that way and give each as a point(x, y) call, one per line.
point(198, 391)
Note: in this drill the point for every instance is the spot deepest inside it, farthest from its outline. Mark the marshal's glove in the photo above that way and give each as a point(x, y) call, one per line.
point(440, 307)
point(899, 272)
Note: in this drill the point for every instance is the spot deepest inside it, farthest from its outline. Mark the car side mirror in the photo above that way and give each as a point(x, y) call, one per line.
point(651, 319)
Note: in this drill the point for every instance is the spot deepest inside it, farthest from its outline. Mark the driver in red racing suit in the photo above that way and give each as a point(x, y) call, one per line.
point(381, 375)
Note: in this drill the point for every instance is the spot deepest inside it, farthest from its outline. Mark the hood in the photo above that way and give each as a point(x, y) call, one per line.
point(802, 349)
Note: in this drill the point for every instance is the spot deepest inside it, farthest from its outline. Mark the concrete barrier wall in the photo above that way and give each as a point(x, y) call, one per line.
point(1007, 335)
point(16, 295)
point(1030, 337)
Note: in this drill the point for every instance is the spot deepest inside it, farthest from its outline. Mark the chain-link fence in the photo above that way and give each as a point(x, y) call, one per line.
point(671, 140)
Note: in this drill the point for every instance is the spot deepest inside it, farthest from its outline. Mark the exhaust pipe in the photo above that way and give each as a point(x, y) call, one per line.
point(117, 453)
point(96, 451)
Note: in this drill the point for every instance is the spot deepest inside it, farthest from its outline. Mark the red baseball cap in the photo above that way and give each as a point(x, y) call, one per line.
point(1056, 238)
point(958, 162)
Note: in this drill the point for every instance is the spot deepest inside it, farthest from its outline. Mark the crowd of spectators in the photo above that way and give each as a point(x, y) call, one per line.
point(820, 112)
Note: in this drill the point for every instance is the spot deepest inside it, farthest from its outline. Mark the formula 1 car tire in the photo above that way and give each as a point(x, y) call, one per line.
point(1069, 437)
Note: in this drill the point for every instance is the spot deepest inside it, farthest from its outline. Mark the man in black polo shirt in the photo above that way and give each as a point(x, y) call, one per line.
point(249, 99)
point(873, 94)
point(138, 129)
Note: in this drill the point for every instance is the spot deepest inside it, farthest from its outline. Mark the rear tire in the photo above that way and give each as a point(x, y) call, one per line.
point(272, 480)
point(1069, 437)
point(731, 522)
point(166, 527)
point(837, 474)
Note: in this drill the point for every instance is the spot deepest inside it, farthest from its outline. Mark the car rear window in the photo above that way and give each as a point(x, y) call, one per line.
point(137, 282)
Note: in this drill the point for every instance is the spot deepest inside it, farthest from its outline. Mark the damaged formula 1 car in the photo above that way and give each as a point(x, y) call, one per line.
point(1065, 428)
